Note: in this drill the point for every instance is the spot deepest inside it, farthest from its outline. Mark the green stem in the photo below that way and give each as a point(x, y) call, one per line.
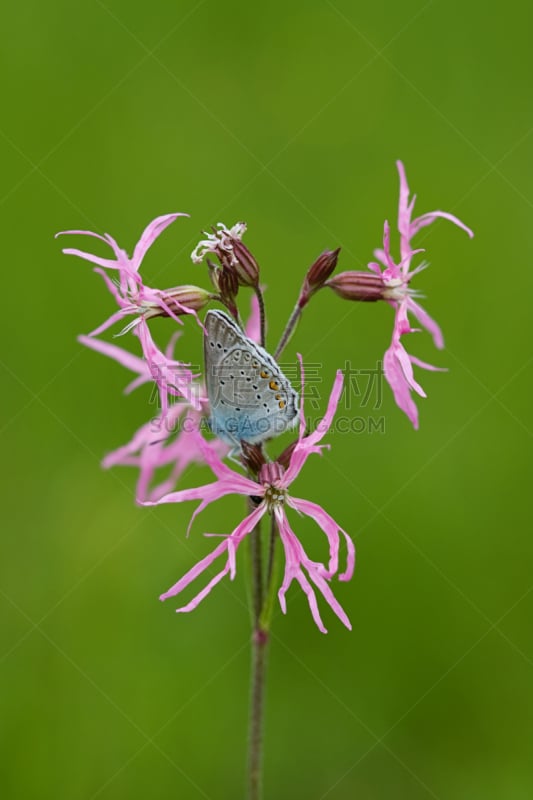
point(258, 671)
point(258, 685)
point(260, 639)
point(271, 583)
point(232, 308)
point(256, 558)
point(262, 327)
point(289, 329)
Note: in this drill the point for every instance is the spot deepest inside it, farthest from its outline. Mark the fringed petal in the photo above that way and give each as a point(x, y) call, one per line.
point(229, 546)
point(150, 234)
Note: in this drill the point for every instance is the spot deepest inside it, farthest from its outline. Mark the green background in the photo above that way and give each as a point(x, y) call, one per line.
point(290, 116)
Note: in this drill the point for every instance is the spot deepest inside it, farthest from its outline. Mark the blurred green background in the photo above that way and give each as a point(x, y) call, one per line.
point(289, 116)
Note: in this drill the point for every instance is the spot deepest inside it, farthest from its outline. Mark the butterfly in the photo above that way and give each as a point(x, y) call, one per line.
point(250, 398)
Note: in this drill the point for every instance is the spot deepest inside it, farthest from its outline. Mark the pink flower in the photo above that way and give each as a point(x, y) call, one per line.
point(396, 277)
point(174, 441)
point(271, 491)
point(131, 294)
point(134, 297)
point(155, 444)
point(172, 377)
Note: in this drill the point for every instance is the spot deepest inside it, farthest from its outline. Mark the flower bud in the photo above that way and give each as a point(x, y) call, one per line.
point(360, 286)
point(317, 275)
point(180, 300)
point(252, 456)
point(214, 272)
point(245, 265)
point(320, 271)
point(228, 284)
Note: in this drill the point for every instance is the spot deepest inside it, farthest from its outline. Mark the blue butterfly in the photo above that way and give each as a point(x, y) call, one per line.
point(251, 400)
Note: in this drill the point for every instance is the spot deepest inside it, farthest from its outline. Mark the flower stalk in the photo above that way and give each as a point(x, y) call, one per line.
point(262, 315)
point(316, 277)
point(267, 581)
point(260, 640)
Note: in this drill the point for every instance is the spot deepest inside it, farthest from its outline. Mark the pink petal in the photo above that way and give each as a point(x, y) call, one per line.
point(128, 360)
point(295, 559)
point(299, 456)
point(169, 349)
point(253, 326)
point(197, 570)
point(325, 589)
point(430, 217)
point(230, 543)
point(102, 262)
point(150, 234)
point(427, 322)
point(112, 287)
point(311, 599)
point(325, 423)
point(331, 529)
point(120, 254)
point(326, 523)
point(223, 472)
point(171, 377)
point(135, 383)
point(149, 450)
point(395, 377)
point(405, 363)
point(116, 317)
point(303, 424)
point(404, 210)
point(419, 363)
point(393, 270)
point(308, 444)
point(210, 492)
point(195, 602)
point(125, 455)
point(82, 233)
point(207, 493)
point(293, 571)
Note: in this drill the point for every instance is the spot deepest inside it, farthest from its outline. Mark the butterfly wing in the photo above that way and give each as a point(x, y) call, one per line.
point(250, 397)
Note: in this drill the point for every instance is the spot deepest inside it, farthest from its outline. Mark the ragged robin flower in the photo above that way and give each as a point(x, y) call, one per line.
point(136, 299)
point(391, 281)
point(271, 492)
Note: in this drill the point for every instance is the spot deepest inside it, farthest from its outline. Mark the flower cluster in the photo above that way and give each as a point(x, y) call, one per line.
point(178, 436)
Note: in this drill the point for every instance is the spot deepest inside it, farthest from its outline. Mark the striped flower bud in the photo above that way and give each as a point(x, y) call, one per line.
point(360, 286)
point(179, 300)
point(245, 265)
